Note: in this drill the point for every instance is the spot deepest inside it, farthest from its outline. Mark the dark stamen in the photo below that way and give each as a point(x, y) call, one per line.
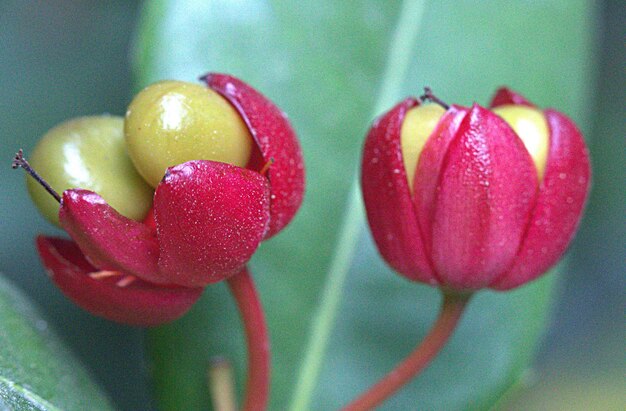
point(428, 95)
point(20, 161)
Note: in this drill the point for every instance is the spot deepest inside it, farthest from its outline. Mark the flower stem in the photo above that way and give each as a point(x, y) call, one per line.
point(257, 387)
point(452, 309)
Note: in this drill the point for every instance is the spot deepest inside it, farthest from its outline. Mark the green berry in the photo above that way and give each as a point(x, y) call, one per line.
point(89, 153)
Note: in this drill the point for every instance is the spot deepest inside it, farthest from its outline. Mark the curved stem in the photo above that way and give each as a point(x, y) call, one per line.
point(452, 309)
point(257, 387)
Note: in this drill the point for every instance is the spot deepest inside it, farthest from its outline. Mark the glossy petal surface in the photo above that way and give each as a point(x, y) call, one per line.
point(277, 142)
point(210, 219)
point(483, 200)
point(138, 303)
point(109, 240)
point(557, 213)
point(506, 96)
point(387, 198)
point(428, 171)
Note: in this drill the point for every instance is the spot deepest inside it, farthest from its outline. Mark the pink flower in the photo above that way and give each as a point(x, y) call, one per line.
point(208, 219)
point(481, 212)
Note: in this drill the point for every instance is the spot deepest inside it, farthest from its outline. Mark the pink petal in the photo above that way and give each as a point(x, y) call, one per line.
point(560, 203)
point(210, 219)
point(138, 303)
point(428, 171)
point(276, 140)
point(108, 239)
point(506, 96)
point(387, 197)
point(486, 191)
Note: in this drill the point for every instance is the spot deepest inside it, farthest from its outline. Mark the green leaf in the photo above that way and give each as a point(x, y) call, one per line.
point(332, 66)
point(36, 370)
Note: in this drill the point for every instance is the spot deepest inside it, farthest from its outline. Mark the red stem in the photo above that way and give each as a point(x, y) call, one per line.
point(257, 387)
point(452, 309)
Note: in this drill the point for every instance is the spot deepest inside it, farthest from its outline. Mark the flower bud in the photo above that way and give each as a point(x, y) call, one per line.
point(486, 198)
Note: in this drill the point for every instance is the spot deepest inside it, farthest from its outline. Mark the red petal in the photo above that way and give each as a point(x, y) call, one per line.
point(275, 138)
point(506, 96)
point(387, 197)
point(486, 191)
point(108, 239)
point(139, 303)
point(561, 200)
point(429, 169)
point(210, 219)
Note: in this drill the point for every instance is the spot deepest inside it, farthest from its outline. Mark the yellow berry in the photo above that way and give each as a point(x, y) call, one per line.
point(171, 122)
point(418, 125)
point(88, 153)
point(532, 128)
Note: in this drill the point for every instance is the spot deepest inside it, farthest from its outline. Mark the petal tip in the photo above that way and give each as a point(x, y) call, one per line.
point(275, 138)
point(505, 96)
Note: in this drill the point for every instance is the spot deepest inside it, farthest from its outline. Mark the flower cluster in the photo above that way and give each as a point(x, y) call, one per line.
point(206, 221)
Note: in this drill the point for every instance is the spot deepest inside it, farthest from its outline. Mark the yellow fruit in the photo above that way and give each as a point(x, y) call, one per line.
point(89, 153)
point(171, 122)
point(417, 126)
point(532, 128)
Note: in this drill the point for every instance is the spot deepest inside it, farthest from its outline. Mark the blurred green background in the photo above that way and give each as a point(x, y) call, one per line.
point(62, 59)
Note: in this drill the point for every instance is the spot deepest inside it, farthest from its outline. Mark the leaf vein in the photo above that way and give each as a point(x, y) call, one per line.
point(398, 61)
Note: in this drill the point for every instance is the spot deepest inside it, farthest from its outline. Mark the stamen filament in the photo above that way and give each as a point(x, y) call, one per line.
point(429, 96)
point(20, 161)
point(98, 275)
point(126, 281)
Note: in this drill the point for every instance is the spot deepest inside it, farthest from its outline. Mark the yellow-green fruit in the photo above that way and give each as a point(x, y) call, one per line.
point(171, 122)
point(531, 126)
point(417, 126)
point(89, 153)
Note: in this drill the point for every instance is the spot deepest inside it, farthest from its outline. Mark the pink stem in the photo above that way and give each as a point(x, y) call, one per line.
point(257, 387)
point(451, 311)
